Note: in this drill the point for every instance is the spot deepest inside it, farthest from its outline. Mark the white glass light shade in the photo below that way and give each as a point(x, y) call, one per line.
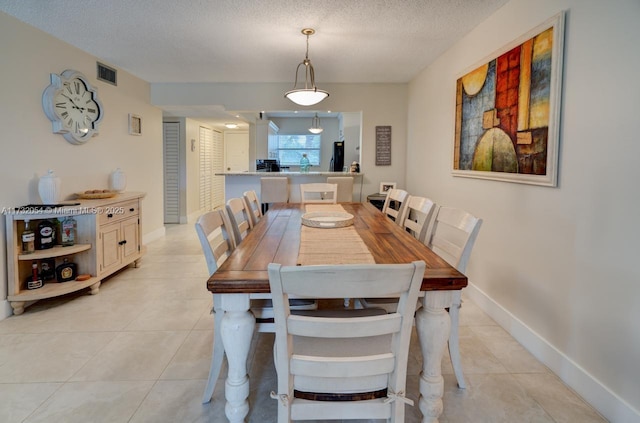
point(315, 125)
point(310, 94)
point(306, 96)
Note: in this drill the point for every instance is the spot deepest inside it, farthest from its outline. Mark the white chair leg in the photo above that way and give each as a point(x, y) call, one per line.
point(454, 343)
point(217, 354)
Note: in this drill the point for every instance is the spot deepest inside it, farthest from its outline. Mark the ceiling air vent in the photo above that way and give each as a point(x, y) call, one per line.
point(107, 74)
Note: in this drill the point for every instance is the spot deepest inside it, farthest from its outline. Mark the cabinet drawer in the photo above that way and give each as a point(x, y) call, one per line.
point(118, 211)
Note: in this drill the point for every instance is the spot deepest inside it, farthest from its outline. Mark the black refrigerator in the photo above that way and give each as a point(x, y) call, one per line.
point(337, 161)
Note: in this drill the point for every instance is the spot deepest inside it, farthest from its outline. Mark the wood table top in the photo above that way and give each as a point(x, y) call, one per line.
point(276, 239)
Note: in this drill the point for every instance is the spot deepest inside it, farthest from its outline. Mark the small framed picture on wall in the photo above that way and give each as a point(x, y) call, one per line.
point(135, 124)
point(386, 186)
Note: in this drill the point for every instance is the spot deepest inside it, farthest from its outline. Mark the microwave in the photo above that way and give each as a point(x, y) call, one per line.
point(267, 165)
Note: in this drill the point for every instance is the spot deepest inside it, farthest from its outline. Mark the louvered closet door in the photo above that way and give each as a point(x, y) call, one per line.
point(218, 167)
point(206, 168)
point(171, 138)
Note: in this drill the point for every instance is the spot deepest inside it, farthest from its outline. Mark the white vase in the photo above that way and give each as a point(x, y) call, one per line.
point(49, 188)
point(118, 180)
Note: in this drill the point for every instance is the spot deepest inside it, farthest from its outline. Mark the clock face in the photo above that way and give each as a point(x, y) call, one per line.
point(72, 106)
point(76, 107)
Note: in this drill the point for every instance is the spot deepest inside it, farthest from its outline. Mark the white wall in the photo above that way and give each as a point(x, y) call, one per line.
point(555, 266)
point(380, 104)
point(352, 123)
point(29, 147)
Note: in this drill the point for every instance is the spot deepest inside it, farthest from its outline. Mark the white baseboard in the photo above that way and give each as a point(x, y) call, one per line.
point(5, 309)
point(191, 218)
point(610, 405)
point(153, 235)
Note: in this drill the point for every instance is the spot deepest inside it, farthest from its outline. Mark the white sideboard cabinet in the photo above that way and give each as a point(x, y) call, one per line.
point(108, 238)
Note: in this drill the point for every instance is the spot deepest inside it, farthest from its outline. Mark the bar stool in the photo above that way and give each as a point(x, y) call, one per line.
point(273, 190)
point(345, 187)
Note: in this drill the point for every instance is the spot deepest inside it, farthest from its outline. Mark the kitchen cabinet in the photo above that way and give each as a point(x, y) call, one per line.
point(108, 238)
point(119, 241)
point(266, 140)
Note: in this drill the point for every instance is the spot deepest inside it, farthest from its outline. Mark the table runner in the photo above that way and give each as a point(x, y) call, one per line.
point(331, 245)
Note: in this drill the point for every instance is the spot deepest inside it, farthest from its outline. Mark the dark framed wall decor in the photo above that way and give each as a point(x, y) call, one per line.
point(383, 145)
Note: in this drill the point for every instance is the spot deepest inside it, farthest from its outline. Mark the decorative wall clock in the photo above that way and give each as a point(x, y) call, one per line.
point(73, 107)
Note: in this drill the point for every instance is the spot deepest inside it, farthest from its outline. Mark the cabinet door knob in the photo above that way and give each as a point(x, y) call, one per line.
point(110, 215)
point(122, 242)
point(132, 209)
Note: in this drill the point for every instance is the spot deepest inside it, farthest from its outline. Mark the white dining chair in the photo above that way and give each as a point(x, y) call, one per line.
point(255, 208)
point(343, 368)
point(240, 218)
point(217, 241)
point(417, 215)
point(319, 193)
point(415, 219)
point(273, 189)
point(452, 237)
point(395, 204)
point(345, 187)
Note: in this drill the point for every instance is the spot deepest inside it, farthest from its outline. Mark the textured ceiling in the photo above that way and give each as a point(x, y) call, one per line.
point(258, 40)
point(356, 41)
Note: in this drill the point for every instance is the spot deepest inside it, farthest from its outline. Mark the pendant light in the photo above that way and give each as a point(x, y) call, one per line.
point(315, 125)
point(310, 94)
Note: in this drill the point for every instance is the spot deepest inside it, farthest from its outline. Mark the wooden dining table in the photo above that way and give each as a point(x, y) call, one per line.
point(276, 239)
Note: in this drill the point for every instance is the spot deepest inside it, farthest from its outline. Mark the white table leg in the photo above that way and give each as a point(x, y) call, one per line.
point(237, 330)
point(433, 326)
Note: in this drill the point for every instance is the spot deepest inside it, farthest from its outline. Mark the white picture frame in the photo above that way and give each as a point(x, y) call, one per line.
point(135, 124)
point(533, 159)
point(386, 186)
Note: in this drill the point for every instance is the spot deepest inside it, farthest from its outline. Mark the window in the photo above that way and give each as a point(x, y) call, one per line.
point(291, 148)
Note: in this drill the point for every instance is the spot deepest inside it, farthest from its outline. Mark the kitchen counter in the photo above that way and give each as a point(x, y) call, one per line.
point(236, 183)
point(285, 173)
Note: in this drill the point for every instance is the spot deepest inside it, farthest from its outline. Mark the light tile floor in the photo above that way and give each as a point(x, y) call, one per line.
point(139, 351)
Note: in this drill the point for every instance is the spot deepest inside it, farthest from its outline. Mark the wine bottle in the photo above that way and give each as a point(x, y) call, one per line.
point(68, 231)
point(34, 282)
point(45, 235)
point(28, 239)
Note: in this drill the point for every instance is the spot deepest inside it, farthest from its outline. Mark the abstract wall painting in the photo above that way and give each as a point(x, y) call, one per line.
point(508, 110)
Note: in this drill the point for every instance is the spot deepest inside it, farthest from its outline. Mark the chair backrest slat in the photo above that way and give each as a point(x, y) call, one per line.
point(338, 328)
point(326, 280)
point(239, 217)
point(319, 193)
point(255, 208)
point(369, 365)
